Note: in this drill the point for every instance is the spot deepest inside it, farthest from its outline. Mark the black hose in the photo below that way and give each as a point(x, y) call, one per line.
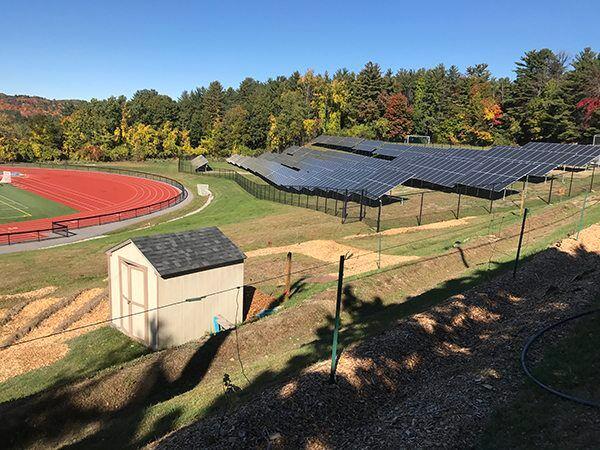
point(532, 339)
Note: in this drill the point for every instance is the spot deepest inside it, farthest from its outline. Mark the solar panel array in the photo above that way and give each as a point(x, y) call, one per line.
point(373, 168)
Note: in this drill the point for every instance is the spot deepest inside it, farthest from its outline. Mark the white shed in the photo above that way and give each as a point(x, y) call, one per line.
point(169, 289)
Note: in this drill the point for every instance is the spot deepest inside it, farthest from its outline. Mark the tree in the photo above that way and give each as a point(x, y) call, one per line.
point(212, 106)
point(148, 107)
point(45, 138)
point(536, 97)
point(234, 129)
point(366, 91)
point(287, 128)
point(190, 114)
point(398, 114)
point(582, 89)
point(93, 126)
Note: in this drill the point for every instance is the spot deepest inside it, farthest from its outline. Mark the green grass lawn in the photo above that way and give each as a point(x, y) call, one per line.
point(18, 205)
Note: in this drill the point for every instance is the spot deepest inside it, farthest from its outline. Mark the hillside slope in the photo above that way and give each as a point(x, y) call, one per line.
point(434, 380)
point(27, 106)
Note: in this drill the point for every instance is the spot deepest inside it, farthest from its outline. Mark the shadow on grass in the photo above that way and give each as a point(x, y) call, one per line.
point(112, 409)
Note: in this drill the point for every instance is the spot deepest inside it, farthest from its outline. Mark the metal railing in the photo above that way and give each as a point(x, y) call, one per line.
point(62, 227)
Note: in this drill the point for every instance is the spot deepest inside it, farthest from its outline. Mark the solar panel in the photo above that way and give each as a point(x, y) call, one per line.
point(354, 169)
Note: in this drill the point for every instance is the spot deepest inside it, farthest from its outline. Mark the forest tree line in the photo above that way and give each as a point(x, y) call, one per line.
point(552, 98)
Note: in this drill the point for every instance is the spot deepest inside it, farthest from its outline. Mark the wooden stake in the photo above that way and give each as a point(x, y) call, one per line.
point(524, 193)
point(571, 183)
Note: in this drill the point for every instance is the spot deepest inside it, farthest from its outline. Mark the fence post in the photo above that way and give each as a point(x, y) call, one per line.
point(592, 180)
point(317, 204)
point(336, 326)
point(336, 204)
point(288, 275)
point(581, 216)
point(458, 204)
point(571, 183)
point(550, 192)
point(379, 217)
point(360, 211)
point(345, 207)
point(520, 243)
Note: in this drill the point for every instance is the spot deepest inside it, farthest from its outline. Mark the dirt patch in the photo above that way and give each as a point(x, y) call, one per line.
point(428, 226)
point(359, 260)
point(38, 293)
point(25, 357)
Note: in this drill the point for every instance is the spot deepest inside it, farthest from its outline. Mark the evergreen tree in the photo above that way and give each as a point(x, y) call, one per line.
point(366, 92)
point(149, 107)
point(212, 106)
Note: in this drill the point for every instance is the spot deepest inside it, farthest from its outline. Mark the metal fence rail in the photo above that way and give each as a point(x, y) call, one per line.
point(332, 203)
point(63, 227)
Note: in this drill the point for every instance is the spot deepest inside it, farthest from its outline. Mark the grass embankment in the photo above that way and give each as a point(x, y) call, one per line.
point(381, 296)
point(539, 419)
point(18, 205)
point(378, 300)
point(88, 354)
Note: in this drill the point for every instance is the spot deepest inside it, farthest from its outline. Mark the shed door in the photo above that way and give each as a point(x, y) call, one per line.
point(134, 299)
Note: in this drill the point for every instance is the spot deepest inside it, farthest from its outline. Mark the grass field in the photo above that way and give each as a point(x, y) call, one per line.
point(387, 295)
point(18, 205)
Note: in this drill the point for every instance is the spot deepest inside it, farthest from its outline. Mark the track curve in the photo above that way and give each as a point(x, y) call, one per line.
point(98, 197)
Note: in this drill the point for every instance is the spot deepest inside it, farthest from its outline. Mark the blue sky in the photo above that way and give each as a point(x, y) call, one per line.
point(85, 49)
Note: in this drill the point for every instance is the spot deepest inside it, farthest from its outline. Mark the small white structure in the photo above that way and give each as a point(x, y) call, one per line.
point(169, 289)
point(6, 177)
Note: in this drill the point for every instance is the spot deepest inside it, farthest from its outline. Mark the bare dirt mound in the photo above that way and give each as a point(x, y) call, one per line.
point(25, 357)
point(431, 381)
point(429, 226)
point(360, 260)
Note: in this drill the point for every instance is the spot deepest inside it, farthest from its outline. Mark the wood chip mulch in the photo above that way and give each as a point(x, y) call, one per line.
point(258, 301)
point(431, 381)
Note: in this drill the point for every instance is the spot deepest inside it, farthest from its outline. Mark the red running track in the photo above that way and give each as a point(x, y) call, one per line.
point(116, 197)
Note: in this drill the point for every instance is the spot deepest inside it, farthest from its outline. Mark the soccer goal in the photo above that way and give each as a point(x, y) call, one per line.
point(6, 177)
point(417, 139)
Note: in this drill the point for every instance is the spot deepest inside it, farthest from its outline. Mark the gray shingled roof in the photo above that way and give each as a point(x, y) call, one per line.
point(199, 161)
point(190, 251)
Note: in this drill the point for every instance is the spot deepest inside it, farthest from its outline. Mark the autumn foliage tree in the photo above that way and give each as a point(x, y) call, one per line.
point(398, 114)
point(552, 98)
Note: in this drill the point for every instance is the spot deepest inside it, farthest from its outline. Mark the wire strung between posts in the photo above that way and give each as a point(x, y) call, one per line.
point(107, 321)
point(541, 384)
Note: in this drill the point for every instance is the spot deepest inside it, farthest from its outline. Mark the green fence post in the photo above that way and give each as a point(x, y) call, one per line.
point(520, 243)
point(336, 325)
